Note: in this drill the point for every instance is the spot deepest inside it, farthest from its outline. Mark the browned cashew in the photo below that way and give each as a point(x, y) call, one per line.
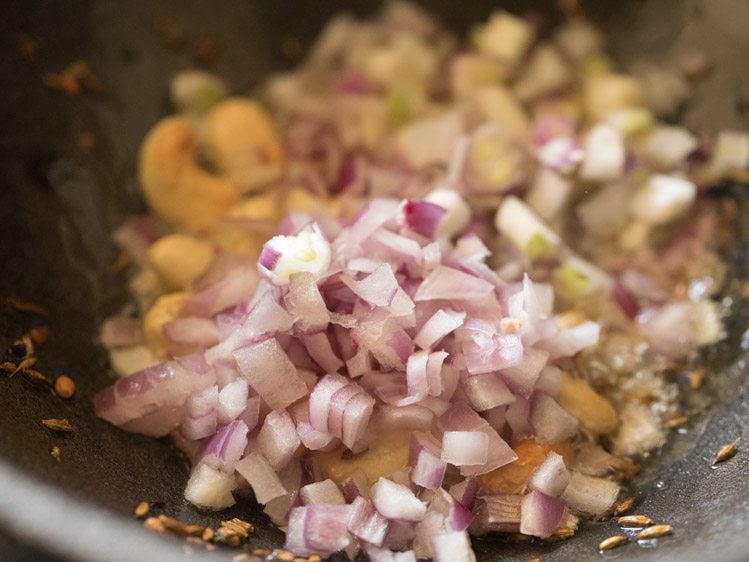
point(241, 140)
point(175, 187)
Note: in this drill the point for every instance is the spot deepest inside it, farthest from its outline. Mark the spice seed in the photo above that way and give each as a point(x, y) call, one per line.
point(284, 556)
point(61, 425)
point(654, 532)
point(315, 558)
point(39, 334)
point(207, 534)
point(612, 542)
point(34, 375)
point(64, 387)
point(56, 452)
point(25, 306)
point(725, 453)
point(635, 521)
point(624, 506)
point(27, 363)
point(142, 509)
point(678, 421)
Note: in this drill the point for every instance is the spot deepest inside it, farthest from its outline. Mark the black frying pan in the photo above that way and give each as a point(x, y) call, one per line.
point(58, 205)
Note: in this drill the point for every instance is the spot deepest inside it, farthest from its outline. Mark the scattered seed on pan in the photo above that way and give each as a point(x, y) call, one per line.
point(26, 306)
point(56, 453)
point(283, 555)
point(142, 509)
point(612, 542)
point(315, 558)
point(634, 521)
point(193, 530)
point(61, 425)
point(27, 363)
point(678, 421)
point(36, 376)
point(696, 378)
point(64, 387)
point(624, 506)
point(725, 453)
point(653, 532)
point(261, 552)
point(241, 557)
point(8, 366)
point(208, 534)
point(39, 334)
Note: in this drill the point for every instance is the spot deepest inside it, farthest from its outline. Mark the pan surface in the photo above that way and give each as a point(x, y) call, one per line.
point(59, 204)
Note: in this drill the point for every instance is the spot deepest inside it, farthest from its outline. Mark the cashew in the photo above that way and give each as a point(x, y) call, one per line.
point(179, 259)
point(164, 310)
point(240, 139)
point(176, 188)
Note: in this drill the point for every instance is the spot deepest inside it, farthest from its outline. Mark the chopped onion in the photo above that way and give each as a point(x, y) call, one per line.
point(262, 478)
point(305, 303)
point(462, 448)
point(486, 391)
point(428, 469)
point(451, 284)
point(325, 492)
point(120, 331)
point(540, 514)
point(590, 495)
point(307, 251)
point(318, 529)
point(366, 523)
point(551, 477)
point(265, 363)
point(442, 323)
point(551, 423)
point(452, 547)
point(232, 400)
point(278, 439)
point(423, 217)
point(395, 501)
point(210, 488)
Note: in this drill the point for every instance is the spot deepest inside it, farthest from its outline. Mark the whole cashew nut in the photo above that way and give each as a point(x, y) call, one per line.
point(241, 140)
point(175, 187)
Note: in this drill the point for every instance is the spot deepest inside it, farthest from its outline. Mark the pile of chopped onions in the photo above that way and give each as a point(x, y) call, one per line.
point(389, 304)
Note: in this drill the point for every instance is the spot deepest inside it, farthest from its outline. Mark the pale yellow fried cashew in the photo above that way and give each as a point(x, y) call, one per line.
point(241, 140)
point(175, 187)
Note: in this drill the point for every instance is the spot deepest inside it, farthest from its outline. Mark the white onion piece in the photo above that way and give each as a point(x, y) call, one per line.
point(540, 514)
point(604, 154)
point(305, 303)
point(320, 400)
point(307, 251)
point(226, 446)
point(486, 391)
point(325, 492)
point(462, 448)
point(428, 469)
point(667, 147)
point(663, 199)
point(518, 418)
point(199, 427)
point(263, 365)
point(210, 488)
point(237, 285)
point(395, 501)
point(551, 477)
point(550, 380)
point(320, 351)
point(318, 529)
point(590, 495)
point(522, 378)
point(516, 221)
point(442, 323)
point(366, 523)
point(452, 547)
point(251, 413)
point(551, 423)
point(261, 477)
point(460, 417)
point(458, 212)
point(232, 400)
point(452, 284)
point(277, 439)
point(569, 341)
point(378, 288)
